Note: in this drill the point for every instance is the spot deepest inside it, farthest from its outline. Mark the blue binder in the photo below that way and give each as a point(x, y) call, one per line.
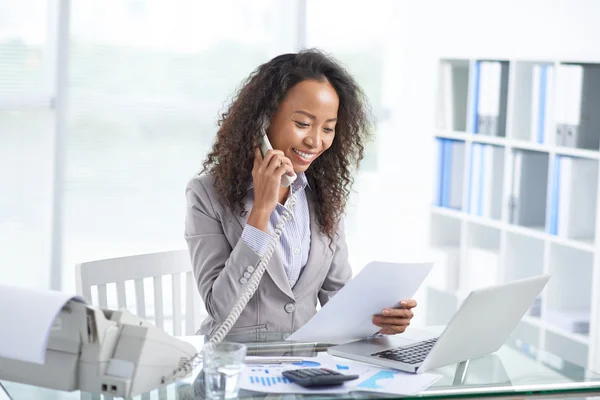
point(477, 78)
point(541, 112)
point(554, 197)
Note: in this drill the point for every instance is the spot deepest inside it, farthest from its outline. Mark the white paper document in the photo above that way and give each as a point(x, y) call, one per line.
point(348, 315)
point(27, 317)
point(269, 379)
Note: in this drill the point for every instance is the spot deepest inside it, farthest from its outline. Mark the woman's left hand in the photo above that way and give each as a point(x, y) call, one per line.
point(395, 320)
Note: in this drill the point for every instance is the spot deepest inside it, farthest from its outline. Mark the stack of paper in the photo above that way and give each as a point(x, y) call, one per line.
point(572, 321)
point(28, 316)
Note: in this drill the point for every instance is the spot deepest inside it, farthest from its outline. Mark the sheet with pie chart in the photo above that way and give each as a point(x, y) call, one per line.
point(267, 378)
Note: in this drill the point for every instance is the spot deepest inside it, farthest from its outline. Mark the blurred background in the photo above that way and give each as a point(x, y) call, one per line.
point(108, 107)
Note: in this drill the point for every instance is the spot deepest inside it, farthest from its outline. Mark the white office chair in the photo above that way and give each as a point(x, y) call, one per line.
point(100, 273)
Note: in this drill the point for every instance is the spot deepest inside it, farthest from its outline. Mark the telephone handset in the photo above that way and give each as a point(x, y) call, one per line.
point(265, 145)
point(252, 285)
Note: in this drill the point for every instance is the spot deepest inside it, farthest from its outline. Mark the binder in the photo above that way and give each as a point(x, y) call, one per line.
point(577, 100)
point(573, 198)
point(542, 124)
point(456, 156)
point(486, 173)
point(515, 194)
point(582, 213)
point(484, 98)
point(492, 201)
point(574, 85)
point(554, 196)
point(537, 99)
point(490, 97)
point(448, 192)
point(473, 106)
point(499, 98)
point(474, 178)
point(550, 98)
point(447, 107)
point(438, 188)
point(529, 187)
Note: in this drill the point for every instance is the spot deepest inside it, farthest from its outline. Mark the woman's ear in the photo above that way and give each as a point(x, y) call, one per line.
point(264, 125)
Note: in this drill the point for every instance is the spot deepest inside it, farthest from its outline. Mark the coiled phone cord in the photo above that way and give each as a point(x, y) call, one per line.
point(187, 366)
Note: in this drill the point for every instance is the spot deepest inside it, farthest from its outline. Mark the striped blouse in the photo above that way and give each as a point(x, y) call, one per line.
point(294, 243)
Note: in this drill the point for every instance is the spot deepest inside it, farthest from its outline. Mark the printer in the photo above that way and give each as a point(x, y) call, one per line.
point(102, 351)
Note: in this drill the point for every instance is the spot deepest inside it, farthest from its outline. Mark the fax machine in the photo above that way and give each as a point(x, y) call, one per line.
point(102, 351)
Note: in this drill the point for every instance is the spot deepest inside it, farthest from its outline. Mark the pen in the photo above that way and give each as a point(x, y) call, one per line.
point(263, 360)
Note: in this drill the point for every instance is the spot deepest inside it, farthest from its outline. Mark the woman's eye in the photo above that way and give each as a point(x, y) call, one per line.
point(329, 130)
point(301, 124)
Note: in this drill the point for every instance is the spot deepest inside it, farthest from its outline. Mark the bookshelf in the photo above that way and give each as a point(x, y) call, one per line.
point(516, 194)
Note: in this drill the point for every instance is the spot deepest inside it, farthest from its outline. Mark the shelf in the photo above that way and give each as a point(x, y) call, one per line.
point(533, 208)
point(533, 321)
point(446, 262)
point(481, 266)
point(569, 291)
point(537, 322)
point(459, 135)
point(445, 230)
point(588, 246)
point(537, 232)
point(448, 212)
point(575, 337)
point(527, 332)
point(520, 144)
point(441, 306)
point(566, 348)
point(524, 257)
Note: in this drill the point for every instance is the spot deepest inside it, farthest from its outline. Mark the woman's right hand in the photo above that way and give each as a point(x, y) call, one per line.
point(266, 175)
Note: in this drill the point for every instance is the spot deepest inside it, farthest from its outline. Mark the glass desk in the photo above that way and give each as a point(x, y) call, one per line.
point(516, 370)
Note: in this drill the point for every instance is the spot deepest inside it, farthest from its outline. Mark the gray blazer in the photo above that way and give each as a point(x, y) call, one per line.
point(220, 258)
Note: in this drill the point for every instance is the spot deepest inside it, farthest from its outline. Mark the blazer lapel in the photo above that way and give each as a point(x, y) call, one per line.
point(318, 253)
point(275, 266)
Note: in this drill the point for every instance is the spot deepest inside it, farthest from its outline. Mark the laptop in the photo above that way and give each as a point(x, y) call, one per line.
point(480, 326)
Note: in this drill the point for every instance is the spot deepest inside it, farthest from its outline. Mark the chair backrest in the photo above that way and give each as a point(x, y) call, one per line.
point(136, 268)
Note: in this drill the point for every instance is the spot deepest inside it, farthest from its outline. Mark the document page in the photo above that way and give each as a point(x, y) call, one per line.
point(348, 315)
point(27, 317)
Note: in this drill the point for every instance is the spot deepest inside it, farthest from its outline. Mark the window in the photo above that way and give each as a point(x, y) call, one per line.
point(144, 101)
point(26, 149)
point(356, 36)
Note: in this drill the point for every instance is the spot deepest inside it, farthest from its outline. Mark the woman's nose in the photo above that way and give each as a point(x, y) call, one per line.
point(313, 139)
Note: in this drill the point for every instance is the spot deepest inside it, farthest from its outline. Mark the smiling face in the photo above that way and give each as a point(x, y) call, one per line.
point(304, 125)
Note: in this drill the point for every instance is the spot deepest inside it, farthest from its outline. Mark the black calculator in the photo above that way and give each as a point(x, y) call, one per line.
point(308, 377)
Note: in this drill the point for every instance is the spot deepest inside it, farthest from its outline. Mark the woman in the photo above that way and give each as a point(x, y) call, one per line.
point(318, 122)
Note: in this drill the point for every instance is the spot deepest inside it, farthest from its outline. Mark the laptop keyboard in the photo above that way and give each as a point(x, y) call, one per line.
point(412, 354)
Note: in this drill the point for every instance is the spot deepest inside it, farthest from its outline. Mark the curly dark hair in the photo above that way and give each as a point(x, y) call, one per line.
point(258, 99)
